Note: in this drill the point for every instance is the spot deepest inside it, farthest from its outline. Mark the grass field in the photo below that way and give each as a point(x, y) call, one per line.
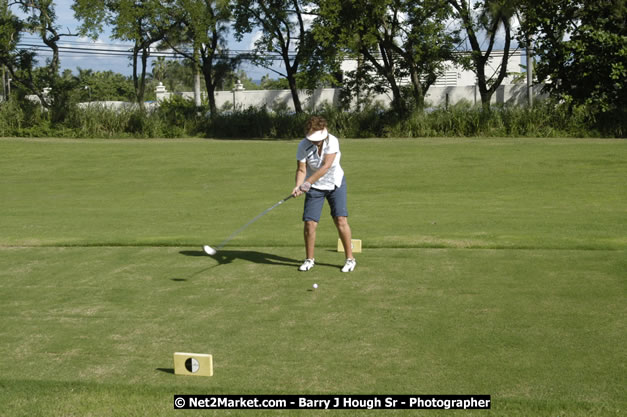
point(490, 266)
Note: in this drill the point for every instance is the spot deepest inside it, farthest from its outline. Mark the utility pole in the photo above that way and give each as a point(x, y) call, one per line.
point(4, 83)
point(529, 72)
point(197, 97)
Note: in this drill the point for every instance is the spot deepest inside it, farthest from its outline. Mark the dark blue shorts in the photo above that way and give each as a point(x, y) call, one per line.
point(314, 200)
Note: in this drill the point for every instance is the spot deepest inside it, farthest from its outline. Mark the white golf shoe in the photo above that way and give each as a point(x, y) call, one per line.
point(349, 265)
point(307, 265)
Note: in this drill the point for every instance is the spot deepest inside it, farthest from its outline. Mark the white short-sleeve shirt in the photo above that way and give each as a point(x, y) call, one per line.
point(308, 153)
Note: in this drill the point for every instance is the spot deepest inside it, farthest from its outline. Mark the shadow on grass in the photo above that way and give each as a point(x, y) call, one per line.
point(227, 256)
point(166, 370)
point(224, 257)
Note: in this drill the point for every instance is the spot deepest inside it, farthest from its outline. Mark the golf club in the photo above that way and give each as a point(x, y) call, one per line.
point(212, 251)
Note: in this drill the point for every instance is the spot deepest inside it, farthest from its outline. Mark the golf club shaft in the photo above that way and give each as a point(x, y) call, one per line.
point(238, 231)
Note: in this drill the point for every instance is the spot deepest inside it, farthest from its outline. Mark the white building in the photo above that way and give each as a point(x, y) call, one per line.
point(456, 76)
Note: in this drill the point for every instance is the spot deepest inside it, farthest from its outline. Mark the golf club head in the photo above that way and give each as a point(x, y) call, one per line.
point(209, 250)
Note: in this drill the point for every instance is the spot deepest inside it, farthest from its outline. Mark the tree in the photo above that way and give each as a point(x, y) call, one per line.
point(284, 35)
point(486, 18)
point(21, 64)
point(179, 75)
point(201, 39)
point(143, 22)
point(398, 39)
point(359, 29)
point(425, 44)
point(582, 50)
point(176, 75)
point(268, 83)
point(159, 68)
point(104, 86)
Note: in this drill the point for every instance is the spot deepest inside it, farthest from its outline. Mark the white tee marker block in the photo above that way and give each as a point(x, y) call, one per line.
point(355, 244)
point(195, 364)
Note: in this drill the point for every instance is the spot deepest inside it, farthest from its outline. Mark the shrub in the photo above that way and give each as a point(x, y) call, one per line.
point(178, 117)
point(22, 117)
point(256, 123)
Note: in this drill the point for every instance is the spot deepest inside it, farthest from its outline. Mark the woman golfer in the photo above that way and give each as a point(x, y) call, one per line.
point(320, 176)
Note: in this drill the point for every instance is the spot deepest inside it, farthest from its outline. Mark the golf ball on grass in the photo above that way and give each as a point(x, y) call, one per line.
point(315, 286)
point(209, 250)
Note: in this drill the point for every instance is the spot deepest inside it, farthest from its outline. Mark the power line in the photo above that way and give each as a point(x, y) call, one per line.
point(82, 49)
point(99, 51)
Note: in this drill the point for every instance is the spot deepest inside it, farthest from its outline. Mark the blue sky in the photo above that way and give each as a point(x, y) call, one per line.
point(66, 21)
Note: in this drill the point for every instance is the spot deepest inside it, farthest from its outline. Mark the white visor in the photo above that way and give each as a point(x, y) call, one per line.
point(318, 135)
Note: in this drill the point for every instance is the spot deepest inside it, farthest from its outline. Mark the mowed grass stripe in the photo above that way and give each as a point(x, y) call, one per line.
point(541, 331)
point(564, 194)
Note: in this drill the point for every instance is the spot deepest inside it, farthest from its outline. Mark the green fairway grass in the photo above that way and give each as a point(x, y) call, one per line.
point(490, 266)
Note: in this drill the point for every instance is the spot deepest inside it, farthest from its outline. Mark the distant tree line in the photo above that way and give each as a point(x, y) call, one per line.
point(401, 46)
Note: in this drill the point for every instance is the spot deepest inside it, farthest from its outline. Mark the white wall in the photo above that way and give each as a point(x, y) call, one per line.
point(436, 96)
point(271, 99)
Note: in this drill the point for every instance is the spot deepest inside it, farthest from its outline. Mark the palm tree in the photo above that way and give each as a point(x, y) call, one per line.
point(159, 68)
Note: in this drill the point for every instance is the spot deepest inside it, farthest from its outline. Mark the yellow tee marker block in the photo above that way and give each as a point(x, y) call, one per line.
point(355, 244)
point(196, 364)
